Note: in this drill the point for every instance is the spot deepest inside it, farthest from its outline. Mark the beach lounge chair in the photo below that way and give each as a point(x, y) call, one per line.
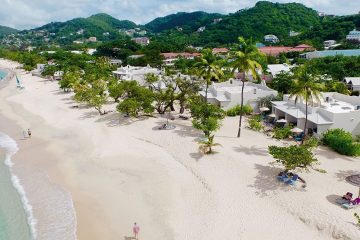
point(299, 137)
point(283, 178)
point(349, 205)
point(293, 180)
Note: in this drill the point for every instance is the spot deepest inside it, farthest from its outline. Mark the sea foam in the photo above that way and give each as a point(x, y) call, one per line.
point(11, 148)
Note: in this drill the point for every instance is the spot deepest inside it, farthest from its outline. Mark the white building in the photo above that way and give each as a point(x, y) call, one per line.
point(353, 36)
point(271, 38)
point(293, 33)
point(353, 83)
point(329, 43)
point(130, 73)
point(228, 94)
point(92, 39)
point(275, 69)
point(201, 29)
point(335, 110)
point(58, 75)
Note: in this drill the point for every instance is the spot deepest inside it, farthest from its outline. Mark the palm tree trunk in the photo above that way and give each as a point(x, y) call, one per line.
point(241, 107)
point(306, 118)
point(206, 91)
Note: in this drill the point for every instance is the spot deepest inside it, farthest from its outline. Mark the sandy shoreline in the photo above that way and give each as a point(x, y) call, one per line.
point(121, 170)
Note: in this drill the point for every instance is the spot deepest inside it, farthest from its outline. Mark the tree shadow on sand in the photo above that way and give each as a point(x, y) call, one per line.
point(114, 119)
point(253, 150)
point(342, 174)
point(331, 154)
point(266, 181)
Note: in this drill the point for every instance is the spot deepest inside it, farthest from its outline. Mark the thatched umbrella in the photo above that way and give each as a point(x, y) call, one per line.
point(354, 180)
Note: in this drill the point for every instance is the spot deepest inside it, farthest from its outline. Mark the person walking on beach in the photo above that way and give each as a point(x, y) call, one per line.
point(24, 134)
point(29, 133)
point(136, 230)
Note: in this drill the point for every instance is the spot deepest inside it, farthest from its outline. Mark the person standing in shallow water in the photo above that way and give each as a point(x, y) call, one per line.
point(136, 230)
point(29, 133)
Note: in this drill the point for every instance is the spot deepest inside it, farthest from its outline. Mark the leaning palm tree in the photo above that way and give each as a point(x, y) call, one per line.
point(209, 68)
point(306, 88)
point(245, 60)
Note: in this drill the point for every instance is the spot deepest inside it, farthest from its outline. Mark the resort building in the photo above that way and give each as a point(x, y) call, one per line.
point(329, 43)
point(130, 73)
point(353, 36)
point(271, 38)
point(331, 53)
point(228, 94)
point(275, 51)
point(171, 58)
point(275, 69)
point(142, 40)
point(353, 83)
point(335, 110)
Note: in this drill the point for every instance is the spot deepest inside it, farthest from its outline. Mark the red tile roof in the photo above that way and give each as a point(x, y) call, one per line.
point(220, 50)
point(183, 54)
point(275, 51)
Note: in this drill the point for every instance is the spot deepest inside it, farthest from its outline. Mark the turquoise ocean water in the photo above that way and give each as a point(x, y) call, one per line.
point(15, 212)
point(2, 74)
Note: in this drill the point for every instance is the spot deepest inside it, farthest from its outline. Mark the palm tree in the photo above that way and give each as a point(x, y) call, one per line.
point(245, 60)
point(209, 68)
point(306, 88)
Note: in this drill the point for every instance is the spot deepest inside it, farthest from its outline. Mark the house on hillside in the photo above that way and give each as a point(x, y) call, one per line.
point(220, 50)
point(228, 94)
point(170, 58)
point(353, 36)
point(329, 43)
point(276, 50)
point(353, 83)
point(271, 38)
point(92, 39)
point(142, 40)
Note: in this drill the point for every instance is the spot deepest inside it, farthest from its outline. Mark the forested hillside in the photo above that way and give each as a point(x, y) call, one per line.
point(6, 30)
point(189, 22)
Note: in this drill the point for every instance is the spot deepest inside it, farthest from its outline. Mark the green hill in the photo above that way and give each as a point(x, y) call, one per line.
point(94, 25)
point(262, 19)
point(189, 22)
point(7, 30)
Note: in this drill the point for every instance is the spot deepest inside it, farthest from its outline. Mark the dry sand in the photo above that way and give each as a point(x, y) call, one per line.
point(121, 170)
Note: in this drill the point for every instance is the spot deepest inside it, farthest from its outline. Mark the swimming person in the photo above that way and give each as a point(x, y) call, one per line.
point(136, 230)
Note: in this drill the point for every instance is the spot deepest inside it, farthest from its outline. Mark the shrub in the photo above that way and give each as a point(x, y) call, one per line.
point(357, 217)
point(255, 123)
point(235, 111)
point(293, 156)
point(282, 132)
point(341, 142)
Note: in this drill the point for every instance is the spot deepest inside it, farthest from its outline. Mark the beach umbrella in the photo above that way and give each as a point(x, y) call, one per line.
point(264, 109)
point(272, 115)
point(354, 180)
point(281, 121)
point(296, 130)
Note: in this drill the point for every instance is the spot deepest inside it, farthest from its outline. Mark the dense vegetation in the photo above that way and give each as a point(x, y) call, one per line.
point(342, 142)
point(93, 26)
point(188, 22)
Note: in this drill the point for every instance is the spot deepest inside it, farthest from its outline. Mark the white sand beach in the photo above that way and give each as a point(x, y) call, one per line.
point(121, 170)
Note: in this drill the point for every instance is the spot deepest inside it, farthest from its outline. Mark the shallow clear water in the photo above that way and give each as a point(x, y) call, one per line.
point(14, 218)
point(3, 73)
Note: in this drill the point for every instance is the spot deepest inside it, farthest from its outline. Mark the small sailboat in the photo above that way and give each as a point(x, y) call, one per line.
point(18, 83)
